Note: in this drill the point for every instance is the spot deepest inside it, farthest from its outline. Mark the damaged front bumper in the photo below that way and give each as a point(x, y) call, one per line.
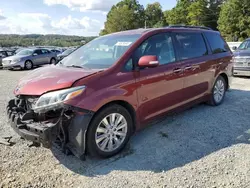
point(66, 126)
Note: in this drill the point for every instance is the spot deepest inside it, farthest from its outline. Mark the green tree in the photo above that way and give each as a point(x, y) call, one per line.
point(198, 13)
point(178, 15)
point(125, 15)
point(234, 19)
point(154, 15)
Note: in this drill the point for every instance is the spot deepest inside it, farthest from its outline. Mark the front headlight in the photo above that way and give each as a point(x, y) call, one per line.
point(15, 61)
point(55, 99)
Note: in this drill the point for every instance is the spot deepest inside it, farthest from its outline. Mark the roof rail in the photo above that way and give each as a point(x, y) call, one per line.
point(189, 26)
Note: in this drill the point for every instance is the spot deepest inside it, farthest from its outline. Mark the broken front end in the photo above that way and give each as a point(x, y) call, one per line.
point(47, 120)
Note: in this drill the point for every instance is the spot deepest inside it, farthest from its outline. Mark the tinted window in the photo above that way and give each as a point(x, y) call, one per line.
point(244, 45)
point(38, 52)
point(159, 45)
point(217, 44)
point(45, 51)
point(190, 45)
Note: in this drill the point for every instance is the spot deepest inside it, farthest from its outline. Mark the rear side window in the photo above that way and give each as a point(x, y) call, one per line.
point(218, 45)
point(190, 45)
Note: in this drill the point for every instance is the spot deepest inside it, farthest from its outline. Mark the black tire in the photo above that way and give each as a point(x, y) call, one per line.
point(51, 61)
point(212, 100)
point(28, 65)
point(92, 147)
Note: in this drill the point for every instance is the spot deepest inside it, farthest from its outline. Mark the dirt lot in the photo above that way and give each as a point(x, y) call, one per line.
point(201, 147)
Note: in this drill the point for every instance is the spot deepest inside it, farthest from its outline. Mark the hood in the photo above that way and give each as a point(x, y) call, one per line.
point(15, 57)
point(50, 78)
point(242, 53)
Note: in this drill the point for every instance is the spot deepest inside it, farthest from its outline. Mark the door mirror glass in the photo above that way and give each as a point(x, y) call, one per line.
point(35, 54)
point(148, 61)
point(234, 47)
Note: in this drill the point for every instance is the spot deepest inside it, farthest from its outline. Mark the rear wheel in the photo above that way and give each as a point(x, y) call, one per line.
point(109, 131)
point(218, 92)
point(28, 65)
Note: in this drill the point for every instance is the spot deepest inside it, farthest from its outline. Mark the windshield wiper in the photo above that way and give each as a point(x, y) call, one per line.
point(75, 66)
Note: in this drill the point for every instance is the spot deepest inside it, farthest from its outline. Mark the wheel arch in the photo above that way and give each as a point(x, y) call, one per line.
point(124, 104)
point(224, 75)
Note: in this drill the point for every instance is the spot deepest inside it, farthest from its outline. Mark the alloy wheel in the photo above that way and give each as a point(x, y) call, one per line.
point(111, 132)
point(219, 91)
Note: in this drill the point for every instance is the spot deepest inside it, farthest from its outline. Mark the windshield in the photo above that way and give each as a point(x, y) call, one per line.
point(25, 52)
point(244, 45)
point(67, 52)
point(100, 53)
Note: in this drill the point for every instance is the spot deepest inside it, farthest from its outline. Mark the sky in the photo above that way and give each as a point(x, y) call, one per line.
point(68, 17)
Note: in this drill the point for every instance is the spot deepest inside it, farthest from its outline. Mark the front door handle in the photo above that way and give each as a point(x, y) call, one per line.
point(177, 70)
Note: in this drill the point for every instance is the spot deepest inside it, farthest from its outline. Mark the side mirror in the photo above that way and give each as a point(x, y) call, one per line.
point(35, 54)
point(148, 61)
point(234, 47)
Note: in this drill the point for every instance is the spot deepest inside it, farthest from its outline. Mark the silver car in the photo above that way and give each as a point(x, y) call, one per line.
point(28, 58)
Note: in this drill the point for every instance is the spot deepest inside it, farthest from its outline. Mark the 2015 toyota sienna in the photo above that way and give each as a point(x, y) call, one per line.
point(95, 98)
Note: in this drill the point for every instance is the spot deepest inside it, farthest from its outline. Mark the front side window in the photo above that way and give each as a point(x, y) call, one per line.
point(190, 45)
point(159, 45)
point(244, 45)
point(100, 53)
point(38, 52)
point(217, 44)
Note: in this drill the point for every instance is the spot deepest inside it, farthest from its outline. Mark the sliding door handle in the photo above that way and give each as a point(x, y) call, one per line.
point(177, 70)
point(187, 68)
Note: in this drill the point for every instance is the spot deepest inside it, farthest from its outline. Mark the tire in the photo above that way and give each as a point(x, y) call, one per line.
point(94, 141)
point(28, 65)
point(53, 61)
point(220, 89)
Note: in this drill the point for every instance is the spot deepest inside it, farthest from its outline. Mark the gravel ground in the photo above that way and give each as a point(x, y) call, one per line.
point(201, 147)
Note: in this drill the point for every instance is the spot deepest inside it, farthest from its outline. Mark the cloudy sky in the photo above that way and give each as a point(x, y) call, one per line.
point(69, 17)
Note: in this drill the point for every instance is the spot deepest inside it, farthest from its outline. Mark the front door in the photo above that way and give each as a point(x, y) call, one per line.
point(37, 57)
point(160, 88)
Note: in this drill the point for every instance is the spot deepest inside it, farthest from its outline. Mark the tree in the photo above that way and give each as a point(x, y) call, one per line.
point(154, 15)
point(214, 8)
point(178, 15)
point(234, 19)
point(198, 13)
point(125, 15)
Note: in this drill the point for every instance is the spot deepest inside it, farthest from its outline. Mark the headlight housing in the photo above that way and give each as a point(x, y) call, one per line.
point(54, 99)
point(15, 61)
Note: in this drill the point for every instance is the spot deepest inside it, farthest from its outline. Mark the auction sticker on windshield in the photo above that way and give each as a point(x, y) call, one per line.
point(123, 43)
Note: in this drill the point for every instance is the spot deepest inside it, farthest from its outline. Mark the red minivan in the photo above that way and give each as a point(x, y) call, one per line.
point(97, 97)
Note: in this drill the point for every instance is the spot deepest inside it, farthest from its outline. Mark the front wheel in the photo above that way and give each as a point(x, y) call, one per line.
point(109, 131)
point(218, 92)
point(28, 65)
point(53, 61)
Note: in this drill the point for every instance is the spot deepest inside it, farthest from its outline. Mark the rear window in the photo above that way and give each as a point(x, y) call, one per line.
point(218, 45)
point(190, 45)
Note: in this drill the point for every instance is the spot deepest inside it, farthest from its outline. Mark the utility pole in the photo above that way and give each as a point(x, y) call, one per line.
point(145, 24)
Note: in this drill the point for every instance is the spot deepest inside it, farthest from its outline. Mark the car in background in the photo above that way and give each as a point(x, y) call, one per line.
point(64, 54)
point(28, 58)
point(4, 54)
point(242, 59)
point(57, 52)
point(96, 98)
